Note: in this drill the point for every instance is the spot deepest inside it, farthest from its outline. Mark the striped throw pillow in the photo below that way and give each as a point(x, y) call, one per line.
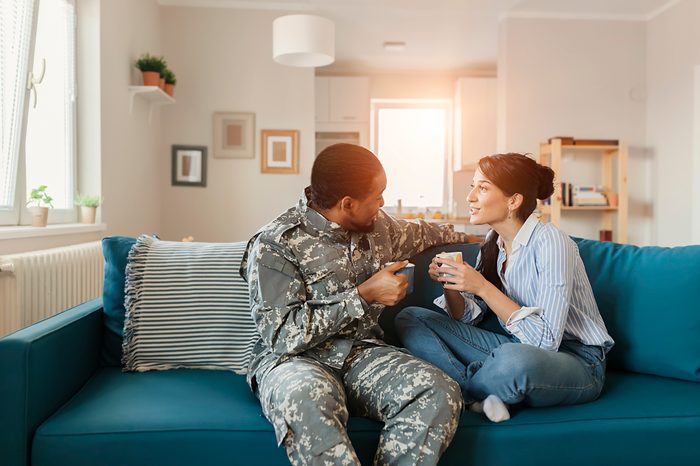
point(186, 307)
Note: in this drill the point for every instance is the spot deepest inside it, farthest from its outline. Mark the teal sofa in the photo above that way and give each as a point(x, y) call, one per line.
point(60, 404)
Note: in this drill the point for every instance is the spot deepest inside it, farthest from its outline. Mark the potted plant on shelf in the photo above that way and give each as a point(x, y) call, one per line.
point(39, 203)
point(163, 68)
point(88, 206)
point(151, 67)
point(170, 82)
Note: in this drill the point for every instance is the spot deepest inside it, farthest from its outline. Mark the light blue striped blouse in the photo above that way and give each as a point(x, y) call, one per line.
point(545, 275)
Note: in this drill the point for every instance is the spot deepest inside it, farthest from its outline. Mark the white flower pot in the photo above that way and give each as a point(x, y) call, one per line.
point(87, 214)
point(40, 216)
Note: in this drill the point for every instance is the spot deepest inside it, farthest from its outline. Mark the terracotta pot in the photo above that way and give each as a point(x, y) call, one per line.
point(87, 214)
point(151, 78)
point(40, 216)
point(170, 89)
point(161, 84)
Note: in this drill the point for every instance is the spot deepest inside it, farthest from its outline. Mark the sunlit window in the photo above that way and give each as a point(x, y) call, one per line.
point(411, 140)
point(37, 73)
point(49, 143)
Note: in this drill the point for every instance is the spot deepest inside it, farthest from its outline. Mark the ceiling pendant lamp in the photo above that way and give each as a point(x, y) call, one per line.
point(303, 40)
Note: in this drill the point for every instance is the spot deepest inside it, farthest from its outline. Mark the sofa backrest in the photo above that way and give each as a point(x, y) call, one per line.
point(650, 301)
point(648, 297)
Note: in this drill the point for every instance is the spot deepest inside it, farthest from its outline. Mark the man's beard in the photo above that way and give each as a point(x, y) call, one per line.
point(368, 228)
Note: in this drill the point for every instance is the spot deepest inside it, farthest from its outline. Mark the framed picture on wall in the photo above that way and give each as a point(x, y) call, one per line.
point(234, 135)
point(189, 166)
point(280, 151)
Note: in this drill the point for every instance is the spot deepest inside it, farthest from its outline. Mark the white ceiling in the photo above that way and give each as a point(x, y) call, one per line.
point(440, 35)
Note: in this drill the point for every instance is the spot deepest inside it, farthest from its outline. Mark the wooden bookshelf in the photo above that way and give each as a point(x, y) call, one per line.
point(611, 156)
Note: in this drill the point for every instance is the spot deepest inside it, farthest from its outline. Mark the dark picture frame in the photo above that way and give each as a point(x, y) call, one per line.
point(189, 166)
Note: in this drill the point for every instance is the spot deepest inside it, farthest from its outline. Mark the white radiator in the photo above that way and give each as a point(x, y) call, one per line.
point(38, 284)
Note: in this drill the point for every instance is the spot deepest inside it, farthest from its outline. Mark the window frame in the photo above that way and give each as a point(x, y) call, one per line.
point(448, 106)
point(20, 214)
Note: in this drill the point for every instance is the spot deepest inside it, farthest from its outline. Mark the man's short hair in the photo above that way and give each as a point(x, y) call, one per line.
point(342, 170)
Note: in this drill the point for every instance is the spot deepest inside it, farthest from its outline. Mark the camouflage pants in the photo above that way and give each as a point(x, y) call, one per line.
point(308, 404)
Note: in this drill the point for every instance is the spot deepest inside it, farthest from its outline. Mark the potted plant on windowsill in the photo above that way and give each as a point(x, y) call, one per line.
point(88, 207)
point(151, 67)
point(170, 82)
point(39, 203)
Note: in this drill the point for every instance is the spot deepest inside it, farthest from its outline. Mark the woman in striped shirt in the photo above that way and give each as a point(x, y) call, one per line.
point(530, 275)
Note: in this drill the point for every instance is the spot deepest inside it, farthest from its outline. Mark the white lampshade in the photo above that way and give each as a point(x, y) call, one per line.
point(303, 40)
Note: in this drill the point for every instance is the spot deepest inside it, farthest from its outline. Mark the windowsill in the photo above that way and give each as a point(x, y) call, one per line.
point(25, 231)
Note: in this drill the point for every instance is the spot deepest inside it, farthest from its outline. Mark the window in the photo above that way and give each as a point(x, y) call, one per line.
point(38, 107)
point(412, 140)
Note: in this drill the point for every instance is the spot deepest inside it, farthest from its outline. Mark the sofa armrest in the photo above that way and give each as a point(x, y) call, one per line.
point(41, 367)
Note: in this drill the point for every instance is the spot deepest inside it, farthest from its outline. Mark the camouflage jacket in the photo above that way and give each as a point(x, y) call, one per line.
point(303, 271)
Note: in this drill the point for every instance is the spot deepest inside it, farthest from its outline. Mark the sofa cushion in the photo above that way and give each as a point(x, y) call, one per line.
point(186, 306)
point(185, 417)
point(115, 250)
point(648, 298)
point(178, 417)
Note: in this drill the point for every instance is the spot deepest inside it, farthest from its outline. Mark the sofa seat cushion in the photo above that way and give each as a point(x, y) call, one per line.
point(638, 419)
point(177, 417)
point(185, 417)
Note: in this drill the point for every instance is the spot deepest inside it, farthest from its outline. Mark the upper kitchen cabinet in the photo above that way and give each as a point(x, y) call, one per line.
point(475, 121)
point(342, 99)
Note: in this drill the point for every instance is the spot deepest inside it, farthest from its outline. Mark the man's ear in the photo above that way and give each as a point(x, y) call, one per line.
point(346, 204)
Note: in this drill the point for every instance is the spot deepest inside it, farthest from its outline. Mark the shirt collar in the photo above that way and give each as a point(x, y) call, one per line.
point(524, 234)
point(313, 218)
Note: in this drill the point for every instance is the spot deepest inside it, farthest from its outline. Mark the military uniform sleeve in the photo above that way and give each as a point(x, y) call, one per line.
point(287, 322)
point(410, 238)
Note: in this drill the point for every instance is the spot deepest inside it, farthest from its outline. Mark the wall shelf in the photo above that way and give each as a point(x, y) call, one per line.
point(153, 94)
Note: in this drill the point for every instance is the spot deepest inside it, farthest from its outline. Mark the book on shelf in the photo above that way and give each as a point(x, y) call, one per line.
point(566, 193)
point(590, 201)
point(582, 195)
point(589, 195)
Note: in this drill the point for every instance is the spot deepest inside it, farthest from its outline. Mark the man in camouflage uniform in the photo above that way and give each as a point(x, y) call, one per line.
point(317, 289)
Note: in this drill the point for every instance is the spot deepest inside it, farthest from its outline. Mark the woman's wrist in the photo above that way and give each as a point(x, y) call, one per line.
point(484, 288)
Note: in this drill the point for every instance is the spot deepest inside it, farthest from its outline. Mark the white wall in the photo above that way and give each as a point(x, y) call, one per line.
point(411, 86)
point(580, 78)
point(673, 53)
point(130, 156)
point(223, 62)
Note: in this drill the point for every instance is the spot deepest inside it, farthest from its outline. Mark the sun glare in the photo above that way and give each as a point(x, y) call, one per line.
point(411, 143)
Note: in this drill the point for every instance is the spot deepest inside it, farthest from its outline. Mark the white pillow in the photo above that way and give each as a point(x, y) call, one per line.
point(186, 307)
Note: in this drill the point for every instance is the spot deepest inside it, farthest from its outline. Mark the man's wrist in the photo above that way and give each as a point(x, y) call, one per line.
point(364, 294)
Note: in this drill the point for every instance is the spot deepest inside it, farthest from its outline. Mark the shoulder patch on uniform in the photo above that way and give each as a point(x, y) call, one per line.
point(278, 263)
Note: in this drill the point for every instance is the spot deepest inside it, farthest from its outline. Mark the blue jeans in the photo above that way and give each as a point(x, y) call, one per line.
point(487, 363)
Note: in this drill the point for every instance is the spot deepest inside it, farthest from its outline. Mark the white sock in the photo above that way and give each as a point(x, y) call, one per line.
point(495, 409)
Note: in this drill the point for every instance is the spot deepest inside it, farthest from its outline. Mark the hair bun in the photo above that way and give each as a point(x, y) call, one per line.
point(546, 182)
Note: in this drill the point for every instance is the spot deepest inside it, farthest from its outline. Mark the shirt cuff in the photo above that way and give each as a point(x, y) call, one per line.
point(513, 323)
point(471, 310)
point(355, 310)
